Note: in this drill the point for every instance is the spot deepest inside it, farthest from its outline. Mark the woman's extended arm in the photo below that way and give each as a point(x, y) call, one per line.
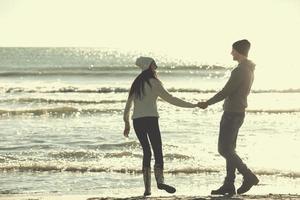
point(165, 95)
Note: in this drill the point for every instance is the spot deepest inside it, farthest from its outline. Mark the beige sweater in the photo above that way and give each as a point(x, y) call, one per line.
point(146, 107)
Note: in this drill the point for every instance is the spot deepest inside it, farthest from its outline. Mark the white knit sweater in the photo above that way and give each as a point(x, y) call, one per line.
point(146, 107)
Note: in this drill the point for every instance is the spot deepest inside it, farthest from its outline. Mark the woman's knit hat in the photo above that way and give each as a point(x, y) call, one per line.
point(144, 62)
point(242, 46)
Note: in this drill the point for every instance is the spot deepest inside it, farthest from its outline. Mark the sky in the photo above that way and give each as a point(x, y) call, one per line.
point(200, 31)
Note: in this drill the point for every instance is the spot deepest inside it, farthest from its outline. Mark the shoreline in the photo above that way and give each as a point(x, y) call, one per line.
point(179, 197)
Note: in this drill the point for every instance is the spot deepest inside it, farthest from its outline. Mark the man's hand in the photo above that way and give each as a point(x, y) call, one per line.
point(203, 104)
point(126, 129)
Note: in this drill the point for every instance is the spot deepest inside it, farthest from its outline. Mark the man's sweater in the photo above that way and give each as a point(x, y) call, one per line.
point(237, 88)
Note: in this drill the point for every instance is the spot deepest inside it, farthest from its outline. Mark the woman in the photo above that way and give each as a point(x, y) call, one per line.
point(143, 93)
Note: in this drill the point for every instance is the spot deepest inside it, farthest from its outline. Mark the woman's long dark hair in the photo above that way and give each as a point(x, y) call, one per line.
point(138, 85)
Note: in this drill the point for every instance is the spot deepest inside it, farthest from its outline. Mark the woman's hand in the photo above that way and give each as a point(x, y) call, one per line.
point(203, 104)
point(126, 129)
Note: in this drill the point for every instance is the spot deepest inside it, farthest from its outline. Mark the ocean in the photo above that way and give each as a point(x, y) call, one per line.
point(61, 119)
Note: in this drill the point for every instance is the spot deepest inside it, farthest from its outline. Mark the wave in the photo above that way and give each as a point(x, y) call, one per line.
point(91, 155)
point(44, 167)
point(73, 155)
point(62, 58)
point(125, 90)
point(126, 145)
point(205, 70)
point(176, 156)
point(112, 146)
point(122, 154)
point(296, 90)
point(59, 111)
point(72, 111)
point(62, 73)
point(288, 111)
point(36, 167)
point(68, 101)
point(81, 155)
point(24, 147)
point(278, 173)
point(65, 90)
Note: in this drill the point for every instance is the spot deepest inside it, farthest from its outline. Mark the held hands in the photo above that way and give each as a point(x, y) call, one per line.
point(202, 105)
point(126, 129)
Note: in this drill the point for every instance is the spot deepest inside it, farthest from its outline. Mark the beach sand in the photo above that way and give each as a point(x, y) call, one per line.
point(91, 197)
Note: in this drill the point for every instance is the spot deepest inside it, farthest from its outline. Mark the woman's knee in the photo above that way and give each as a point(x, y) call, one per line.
point(147, 153)
point(225, 152)
point(147, 159)
point(159, 163)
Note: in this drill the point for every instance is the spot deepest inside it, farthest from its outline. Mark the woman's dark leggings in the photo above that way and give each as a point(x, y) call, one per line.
point(147, 127)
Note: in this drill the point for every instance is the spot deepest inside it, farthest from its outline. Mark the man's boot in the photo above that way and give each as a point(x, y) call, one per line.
point(225, 189)
point(159, 176)
point(147, 180)
point(249, 181)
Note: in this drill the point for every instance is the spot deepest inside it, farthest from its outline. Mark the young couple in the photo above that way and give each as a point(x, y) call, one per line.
point(145, 90)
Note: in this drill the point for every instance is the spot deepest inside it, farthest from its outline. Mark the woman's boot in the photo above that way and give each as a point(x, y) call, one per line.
point(147, 180)
point(159, 176)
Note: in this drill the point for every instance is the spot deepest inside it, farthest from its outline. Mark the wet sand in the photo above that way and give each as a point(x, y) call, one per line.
point(91, 197)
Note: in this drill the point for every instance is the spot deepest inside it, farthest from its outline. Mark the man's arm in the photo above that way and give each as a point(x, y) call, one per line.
point(231, 85)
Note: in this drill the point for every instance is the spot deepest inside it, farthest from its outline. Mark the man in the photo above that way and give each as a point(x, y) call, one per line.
point(235, 93)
